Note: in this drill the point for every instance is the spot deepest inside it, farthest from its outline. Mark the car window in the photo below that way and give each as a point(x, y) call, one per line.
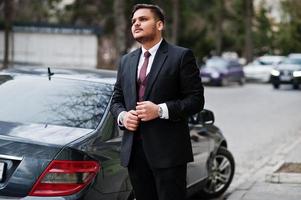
point(216, 63)
point(57, 101)
point(233, 64)
point(265, 62)
point(296, 61)
point(269, 60)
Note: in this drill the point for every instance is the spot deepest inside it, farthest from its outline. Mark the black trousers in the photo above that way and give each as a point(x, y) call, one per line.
point(155, 183)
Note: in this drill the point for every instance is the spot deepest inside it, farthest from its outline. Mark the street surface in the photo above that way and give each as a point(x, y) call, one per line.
point(257, 121)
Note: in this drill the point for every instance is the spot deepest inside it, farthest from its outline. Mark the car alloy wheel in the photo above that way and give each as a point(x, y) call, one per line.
point(220, 175)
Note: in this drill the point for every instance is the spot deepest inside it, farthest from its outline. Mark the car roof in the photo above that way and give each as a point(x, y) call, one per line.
point(294, 55)
point(217, 58)
point(223, 58)
point(227, 61)
point(97, 75)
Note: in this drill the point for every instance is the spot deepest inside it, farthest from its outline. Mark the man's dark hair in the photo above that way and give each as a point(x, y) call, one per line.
point(159, 14)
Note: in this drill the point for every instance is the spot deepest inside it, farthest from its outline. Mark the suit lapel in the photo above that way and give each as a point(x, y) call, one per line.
point(133, 65)
point(158, 62)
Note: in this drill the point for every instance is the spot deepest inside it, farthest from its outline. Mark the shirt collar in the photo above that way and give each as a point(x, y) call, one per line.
point(152, 50)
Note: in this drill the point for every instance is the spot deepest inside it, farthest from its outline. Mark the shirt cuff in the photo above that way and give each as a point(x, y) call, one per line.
point(165, 114)
point(120, 118)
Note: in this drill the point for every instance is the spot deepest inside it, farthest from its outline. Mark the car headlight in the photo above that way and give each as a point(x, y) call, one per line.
point(275, 72)
point(297, 73)
point(215, 74)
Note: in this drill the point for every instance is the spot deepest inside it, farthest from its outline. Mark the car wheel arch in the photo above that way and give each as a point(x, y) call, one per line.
point(223, 152)
point(223, 144)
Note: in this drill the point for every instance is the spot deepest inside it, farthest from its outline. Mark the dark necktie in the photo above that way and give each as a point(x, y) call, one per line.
point(142, 76)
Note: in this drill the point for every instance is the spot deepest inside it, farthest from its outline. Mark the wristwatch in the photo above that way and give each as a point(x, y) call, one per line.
point(160, 112)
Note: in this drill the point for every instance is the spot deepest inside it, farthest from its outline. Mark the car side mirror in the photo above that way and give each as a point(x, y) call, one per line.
point(204, 117)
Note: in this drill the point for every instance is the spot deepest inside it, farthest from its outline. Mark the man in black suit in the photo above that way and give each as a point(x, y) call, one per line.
point(158, 87)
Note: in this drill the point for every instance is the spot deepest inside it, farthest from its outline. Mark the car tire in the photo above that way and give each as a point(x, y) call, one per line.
point(224, 82)
point(220, 175)
point(276, 86)
point(242, 81)
point(296, 86)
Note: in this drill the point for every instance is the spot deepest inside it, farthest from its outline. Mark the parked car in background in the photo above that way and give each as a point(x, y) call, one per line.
point(220, 71)
point(58, 140)
point(294, 55)
point(288, 72)
point(260, 69)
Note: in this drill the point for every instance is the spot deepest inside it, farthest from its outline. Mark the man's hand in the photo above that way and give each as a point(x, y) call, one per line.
point(147, 110)
point(131, 120)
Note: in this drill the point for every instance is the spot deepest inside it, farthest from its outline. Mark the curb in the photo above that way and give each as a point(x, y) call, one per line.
point(293, 178)
point(284, 177)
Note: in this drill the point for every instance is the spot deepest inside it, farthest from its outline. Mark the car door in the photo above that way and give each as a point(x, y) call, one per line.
point(113, 181)
point(235, 71)
point(198, 170)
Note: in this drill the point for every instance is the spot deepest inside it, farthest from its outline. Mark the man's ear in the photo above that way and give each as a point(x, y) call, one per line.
point(160, 25)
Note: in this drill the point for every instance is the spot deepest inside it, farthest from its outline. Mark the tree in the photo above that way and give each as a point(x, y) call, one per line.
point(8, 19)
point(248, 30)
point(34, 11)
point(219, 19)
point(263, 33)
point(197, 30)
point(288, 38)
point(120, 26)
point(175, 21)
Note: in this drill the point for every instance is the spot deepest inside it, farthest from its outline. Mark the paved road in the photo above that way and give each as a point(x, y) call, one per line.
point(257, 122)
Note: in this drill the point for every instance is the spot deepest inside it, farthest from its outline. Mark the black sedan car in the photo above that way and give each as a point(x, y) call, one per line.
point(58, 140)
point(287, 72)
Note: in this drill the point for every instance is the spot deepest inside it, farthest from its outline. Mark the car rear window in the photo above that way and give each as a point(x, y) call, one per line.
point(59, 101)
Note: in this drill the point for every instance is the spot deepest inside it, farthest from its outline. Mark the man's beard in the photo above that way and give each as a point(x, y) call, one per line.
point(147, 38)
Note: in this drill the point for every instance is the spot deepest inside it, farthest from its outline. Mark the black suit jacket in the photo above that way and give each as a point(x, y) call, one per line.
point(174, 79)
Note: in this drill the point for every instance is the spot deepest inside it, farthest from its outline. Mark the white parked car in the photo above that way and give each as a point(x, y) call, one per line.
point(260, 69)
point(294, 55)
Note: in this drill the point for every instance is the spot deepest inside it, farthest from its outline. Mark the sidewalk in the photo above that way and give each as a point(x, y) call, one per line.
point(270, 184)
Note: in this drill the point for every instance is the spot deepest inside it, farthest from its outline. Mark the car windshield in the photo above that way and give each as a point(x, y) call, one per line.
point(264, 62)
point(64, 102)
point(267, 60)
point(294, 61)
point(216, 63)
